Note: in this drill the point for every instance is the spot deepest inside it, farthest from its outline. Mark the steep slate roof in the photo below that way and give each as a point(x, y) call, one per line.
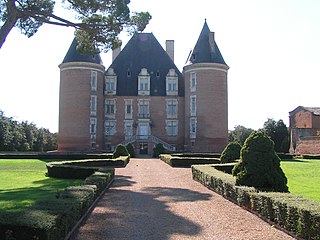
point(144, 51)
point(313, 110)
point(202, 52)
point(74, 56)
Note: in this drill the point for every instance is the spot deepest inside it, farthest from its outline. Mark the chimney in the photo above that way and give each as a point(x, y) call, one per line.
point(170, 49)
point(115, 53)
point(211, 41)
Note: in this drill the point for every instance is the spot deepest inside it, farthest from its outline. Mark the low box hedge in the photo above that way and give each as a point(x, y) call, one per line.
point(294, 213)
point(54, 155)
point(183, 161)
point(55, 218)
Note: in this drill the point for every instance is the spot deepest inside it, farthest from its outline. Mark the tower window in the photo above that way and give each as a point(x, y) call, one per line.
point(93, 105)
point(193, 81)
point(94, 80)
point(193, 105)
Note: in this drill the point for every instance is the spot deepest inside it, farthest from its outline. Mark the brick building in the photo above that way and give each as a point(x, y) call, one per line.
point(142, 98)
point(304, 123)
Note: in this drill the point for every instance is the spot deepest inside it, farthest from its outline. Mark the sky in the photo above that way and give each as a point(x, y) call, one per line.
point(271, 46)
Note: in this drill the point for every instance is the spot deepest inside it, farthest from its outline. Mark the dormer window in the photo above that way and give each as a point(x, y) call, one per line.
point(144, 82)
point(158, 74)
point(172, 83)
point(110, 82)
point(128, 73)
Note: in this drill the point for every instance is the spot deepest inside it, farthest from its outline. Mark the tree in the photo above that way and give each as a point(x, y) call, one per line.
point(279, 134)
point(259, 165)
point(239, 134)
point(98, 26)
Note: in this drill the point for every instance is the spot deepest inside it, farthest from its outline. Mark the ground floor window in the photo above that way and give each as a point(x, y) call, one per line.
point(110, 127)
point(172, 127)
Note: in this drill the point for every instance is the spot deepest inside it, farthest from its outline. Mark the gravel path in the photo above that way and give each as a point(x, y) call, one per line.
point(151, 200)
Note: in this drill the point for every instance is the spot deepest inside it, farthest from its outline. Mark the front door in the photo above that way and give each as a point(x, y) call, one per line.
point(143, 148)
point(143, 131)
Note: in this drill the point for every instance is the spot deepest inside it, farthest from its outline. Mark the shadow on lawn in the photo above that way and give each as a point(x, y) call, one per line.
point(20, 198)
point(140, 214)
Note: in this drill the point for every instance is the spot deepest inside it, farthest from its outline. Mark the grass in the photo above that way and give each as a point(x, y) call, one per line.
point(303, 177)
point(23, 183)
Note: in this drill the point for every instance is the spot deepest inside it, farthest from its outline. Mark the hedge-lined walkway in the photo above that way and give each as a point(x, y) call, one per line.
point(150, 200)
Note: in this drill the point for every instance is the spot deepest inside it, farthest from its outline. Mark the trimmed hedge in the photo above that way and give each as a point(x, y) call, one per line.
point(207, 155)
point(54, 155)
point(294, 213)
point(53, 219)
point(310, 156)
point(82, 168)
point(175, 161)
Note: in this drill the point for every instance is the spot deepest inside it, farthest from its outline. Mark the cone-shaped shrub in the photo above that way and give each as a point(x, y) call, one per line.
point(158, 149)
point(230, 153)
point(259, 165)
point(130, 149)
point(120, 151)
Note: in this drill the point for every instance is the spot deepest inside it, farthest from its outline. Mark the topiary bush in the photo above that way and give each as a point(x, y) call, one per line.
point(130, 149)
point(158, 149)
point(230, 153)
point(259, 165)
point(120, 151)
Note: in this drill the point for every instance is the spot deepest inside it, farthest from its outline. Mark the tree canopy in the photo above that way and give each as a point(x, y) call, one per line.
point(97, 25)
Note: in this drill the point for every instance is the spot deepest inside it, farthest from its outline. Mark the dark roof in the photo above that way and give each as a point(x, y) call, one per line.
point(313, 110)
point(144, 51)
point(74, 56)
point(202, 52)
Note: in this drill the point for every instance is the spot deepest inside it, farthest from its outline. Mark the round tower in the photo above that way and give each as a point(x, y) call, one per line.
point(206, 96)
point(81, 102)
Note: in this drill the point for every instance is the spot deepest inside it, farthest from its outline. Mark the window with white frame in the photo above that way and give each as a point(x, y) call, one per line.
point(193, 127)
point(172, 82)
point(94, 77)
point(110, 82)
point(110, 108)
point(144, 82)
point(93, 126)
point(128, 108)
point(128, 128)
point(93, 105)
point(193, 81)
point(172, 108)
point(193, 105)
point(143, 108)
point(110, 127)
point(172, 127)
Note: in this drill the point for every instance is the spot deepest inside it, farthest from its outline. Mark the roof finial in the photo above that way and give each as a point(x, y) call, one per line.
point(205, 20)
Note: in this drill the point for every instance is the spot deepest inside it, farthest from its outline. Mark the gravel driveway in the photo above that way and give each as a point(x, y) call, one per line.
point(151, 200)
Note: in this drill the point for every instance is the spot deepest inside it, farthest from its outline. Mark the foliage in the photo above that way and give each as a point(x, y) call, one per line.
point(259, 165)
point(187, 161)
point(97, 27)
point(120, 151)
point(239, 134)
point(130, 149)
point(24, 136)
point(279, 134)
point(231, 152)
point(158, 149)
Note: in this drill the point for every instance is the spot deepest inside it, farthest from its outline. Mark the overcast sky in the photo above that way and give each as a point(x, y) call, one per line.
point(271, 46)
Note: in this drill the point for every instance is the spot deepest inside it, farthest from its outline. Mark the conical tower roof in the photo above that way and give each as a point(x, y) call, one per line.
point(74, 56)
point(206, 49)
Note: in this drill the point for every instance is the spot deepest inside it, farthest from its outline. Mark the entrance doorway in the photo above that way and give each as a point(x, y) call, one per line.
point(143, 148)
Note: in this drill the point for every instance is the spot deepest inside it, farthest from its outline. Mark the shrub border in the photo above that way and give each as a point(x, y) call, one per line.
point(296, 215)
point(58, 218)
point(187, 161)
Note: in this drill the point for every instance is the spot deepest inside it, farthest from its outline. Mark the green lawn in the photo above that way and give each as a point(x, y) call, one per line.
point(303, 177)
point(23, 182)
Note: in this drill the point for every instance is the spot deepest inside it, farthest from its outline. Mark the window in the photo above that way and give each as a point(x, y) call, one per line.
point(110, 107)
point(128, 128)
point(94, 80)
point(128, 108)
point(193, 105)
point(172, 82)
point(143, 108)
point(93, 126)
point(172, 127)
point(144, 82)
point(193, 81)
point(193, 127)
point(93, 105)
point(172, 108)
point(110, 82)
point(110, 127)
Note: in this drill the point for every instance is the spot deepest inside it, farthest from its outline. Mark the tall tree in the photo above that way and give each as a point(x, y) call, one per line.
point(239, 134)
point(279, 134)
point(98, 24)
